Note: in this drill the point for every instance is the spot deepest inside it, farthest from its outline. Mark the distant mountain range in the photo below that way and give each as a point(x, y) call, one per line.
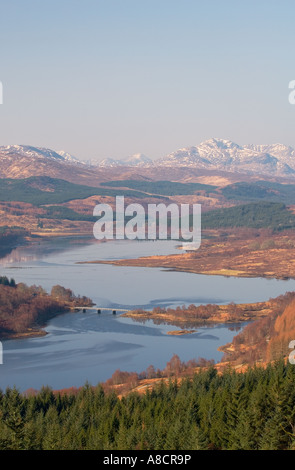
point(212, 154)
point(222, 155)
point(225, 155)
point(11, 151)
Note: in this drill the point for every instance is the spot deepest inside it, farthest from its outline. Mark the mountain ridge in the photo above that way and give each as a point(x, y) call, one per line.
point(213, 154)
point(224, 155)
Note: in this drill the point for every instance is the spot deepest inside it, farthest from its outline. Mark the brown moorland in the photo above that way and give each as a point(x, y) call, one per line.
point(238, 252)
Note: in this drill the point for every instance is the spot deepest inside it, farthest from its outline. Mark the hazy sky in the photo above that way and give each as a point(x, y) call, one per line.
point(110, 78)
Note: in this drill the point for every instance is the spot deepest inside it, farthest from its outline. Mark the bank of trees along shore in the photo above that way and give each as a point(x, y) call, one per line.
point(23, 307)
point(266, 339)
point(250, 410)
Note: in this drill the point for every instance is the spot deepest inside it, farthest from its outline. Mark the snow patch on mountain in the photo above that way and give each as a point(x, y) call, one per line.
point(38, 153)
point(225, 155)
point(137, 159)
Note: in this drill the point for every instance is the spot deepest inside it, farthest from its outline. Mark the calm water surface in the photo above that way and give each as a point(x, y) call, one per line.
point(90, 347)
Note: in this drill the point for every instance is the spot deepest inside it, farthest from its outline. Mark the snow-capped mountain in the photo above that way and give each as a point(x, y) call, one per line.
point(225, 155)
point(32, 152)
point(221, 155)
point(109, 163)
point(69, 158)
point(282, 152)
point(137, 159)
point(23, 161)
point(37, 152)
point(273, 160)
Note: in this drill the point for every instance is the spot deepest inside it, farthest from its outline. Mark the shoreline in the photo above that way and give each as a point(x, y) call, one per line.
point(181, 332)
point(231, 257)
point(38, 331)
point(214, 258)
point(139, 263)
point(209, 314)
point(30, 333)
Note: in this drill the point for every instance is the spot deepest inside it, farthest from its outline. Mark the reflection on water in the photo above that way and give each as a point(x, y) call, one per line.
point(90, 347)
point(57, 262)
point(39, 249)
point(181, 324)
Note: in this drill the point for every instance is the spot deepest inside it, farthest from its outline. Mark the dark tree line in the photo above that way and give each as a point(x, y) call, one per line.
point(4, 281)
point(250, 410)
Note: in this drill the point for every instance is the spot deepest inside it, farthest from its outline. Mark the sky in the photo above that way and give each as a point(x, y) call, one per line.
point(111, 78)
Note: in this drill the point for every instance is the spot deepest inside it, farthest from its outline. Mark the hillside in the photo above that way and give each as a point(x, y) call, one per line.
point(274, 216)
point(266, 339)
point(260, 191)
point(40, 190)
point(162, 187)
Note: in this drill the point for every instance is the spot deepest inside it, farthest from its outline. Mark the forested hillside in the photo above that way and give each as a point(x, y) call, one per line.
point(266, 339)
point(259, 215)
point(251, 410)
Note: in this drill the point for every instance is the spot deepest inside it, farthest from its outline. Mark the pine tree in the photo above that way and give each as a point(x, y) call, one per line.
point(52, 431)
point(12, 414)
point(274, 437)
